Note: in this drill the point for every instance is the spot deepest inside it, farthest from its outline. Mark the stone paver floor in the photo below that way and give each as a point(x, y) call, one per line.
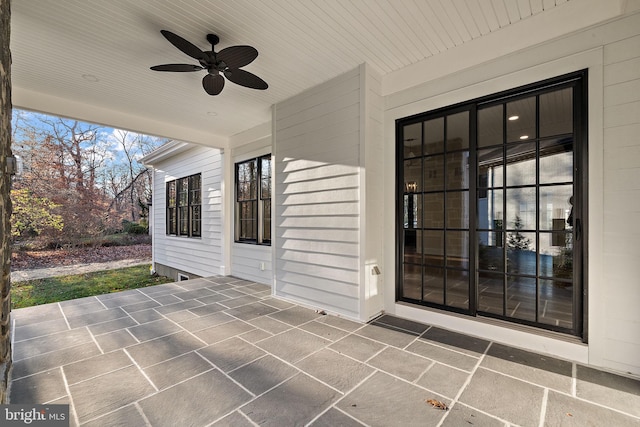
point(221, 351)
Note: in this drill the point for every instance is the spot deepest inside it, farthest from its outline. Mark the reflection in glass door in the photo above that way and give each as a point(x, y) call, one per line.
point(436, 211)
point(491, 207)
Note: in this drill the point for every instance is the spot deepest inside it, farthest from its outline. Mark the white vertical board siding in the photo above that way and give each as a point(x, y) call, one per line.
point(317, 196)
point(622, 202)
point(201, 256)
point(611, 53)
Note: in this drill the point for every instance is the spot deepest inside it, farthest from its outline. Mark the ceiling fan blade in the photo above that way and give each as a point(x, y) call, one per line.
point(182, 44)
point(177, 67)
point(237, 56)
point(246, 79)
point(213, 84)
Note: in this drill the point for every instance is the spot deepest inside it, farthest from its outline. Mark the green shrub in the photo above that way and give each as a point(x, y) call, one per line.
point(134, 228)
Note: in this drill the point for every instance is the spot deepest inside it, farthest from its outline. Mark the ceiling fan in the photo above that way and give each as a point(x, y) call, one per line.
point(227, 62)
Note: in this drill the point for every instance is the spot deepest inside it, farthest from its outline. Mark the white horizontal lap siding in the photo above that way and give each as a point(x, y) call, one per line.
point(201, 256)
point(317, 196)
point(252, 262)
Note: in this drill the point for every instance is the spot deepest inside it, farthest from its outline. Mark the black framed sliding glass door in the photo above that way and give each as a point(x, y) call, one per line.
point(490, 196)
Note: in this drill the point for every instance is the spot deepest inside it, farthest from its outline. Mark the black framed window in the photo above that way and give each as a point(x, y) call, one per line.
point(184, 206)
point(490, 207)
point(253, 200)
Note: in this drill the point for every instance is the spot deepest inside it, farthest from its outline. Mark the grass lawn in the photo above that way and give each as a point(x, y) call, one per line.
point(62, 288)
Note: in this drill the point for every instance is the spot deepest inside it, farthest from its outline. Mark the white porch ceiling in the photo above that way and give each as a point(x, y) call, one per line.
point(59, 46)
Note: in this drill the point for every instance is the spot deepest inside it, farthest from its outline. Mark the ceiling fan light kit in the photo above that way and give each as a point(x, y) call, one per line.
point(225, 63)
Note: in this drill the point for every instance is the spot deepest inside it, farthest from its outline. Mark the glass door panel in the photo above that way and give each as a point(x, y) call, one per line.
point(488, 192)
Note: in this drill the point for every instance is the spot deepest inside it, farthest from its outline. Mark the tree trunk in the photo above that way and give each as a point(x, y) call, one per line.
point(5, 200)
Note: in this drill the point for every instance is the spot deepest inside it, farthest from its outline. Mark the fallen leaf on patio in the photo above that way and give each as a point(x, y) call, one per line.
point(569, 414)
point(321, 312)
point(438, 404)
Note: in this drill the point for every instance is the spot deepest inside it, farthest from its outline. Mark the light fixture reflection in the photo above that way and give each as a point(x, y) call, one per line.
point(514, 117)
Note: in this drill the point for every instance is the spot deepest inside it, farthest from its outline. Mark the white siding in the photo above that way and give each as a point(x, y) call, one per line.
point(372, 182)
point(611, 52)
point(317, 204)
point(201, 256)
point(622, 201)
point(252, 262)
point(249, 261)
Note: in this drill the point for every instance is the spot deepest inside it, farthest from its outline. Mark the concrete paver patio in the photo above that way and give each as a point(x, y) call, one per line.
point(223, 352)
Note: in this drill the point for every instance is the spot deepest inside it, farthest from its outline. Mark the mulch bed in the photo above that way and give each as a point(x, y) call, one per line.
point(29, 260)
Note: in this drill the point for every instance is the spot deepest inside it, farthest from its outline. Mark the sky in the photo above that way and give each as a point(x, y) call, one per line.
point(108, 136)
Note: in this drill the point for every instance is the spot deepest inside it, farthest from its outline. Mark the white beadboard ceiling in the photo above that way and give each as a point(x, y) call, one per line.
point(59, 46)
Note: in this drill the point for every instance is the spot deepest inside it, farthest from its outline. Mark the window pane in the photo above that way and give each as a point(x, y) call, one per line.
point(194, 189)
point(521, 119)
point(434, 173)
point(412, 144)
point(458, 289)
point(556, 161)
point(434, 210)
point(434, 285)
point(247, 180)
point(171, 194)
point(265, 188)
point(521, 164)
point(521, 298)
point(556, 304)
point(412, 175)
point(556, 256)
point(195, 220)
point(458, 249)
point(245, 191)
point(247, 220)
point(412, 281)
point(490, 167)
point(490, 292)
point(183, 192)
point(458, 209)
point(556, 112)
point(413, 211)
point(266, 221)
point(265, 177)
point(521, 253)
point(521, 208)
point(434, 247)
point(172, 224)
point(490, 251)
point(458, 131)
point(490, 129)
point(490, 210)
point(183, 221)
point(458, 170)
point(555, 207)
point(413, 246)
point(434, 136)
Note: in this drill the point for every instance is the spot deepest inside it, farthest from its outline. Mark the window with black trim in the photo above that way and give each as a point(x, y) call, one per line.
point(184, 206)
point(491, 214)
point(253, 201)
